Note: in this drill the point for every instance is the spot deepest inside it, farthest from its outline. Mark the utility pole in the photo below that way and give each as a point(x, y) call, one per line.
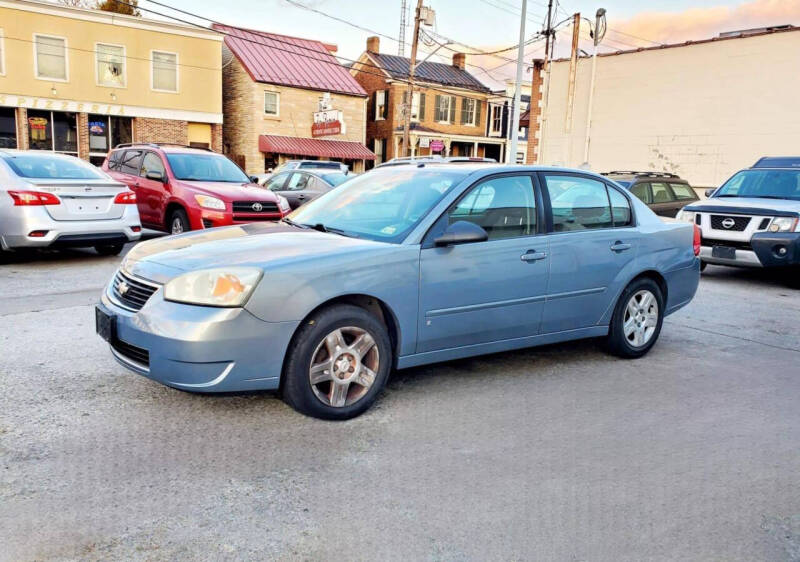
point(412, 66)
point(573, 71)
point(546, 66)
point(517, 89)
point(598, 34)
point(401, 47)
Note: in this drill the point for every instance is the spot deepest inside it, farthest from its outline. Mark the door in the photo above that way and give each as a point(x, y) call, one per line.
point(124, 166)
point(593, 239)
point(276, 183)
point(485, 291)
point(152, 194)
point(296, 189)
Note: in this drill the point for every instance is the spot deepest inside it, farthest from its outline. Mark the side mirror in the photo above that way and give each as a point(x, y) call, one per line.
point(155, 175)
point(461, 232)
point(253, 179)
point(710, 192)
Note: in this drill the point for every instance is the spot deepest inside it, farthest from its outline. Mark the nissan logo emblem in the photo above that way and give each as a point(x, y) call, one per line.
point(257, 207)
point(728, 222)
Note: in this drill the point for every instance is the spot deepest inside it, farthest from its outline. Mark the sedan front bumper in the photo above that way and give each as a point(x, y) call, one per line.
point(198, 348)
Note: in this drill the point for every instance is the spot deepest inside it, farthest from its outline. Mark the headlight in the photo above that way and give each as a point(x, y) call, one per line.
point(685, 215)
point(283, 203)
point(228, 287)
point(783, 224)
point(208, 202)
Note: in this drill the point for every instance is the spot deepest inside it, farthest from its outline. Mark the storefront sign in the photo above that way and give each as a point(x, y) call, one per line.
point(328, 122)
point(437, 145)
point(97, 127)
point(424, 142)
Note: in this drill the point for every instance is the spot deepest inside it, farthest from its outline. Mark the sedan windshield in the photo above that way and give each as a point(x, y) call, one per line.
point(772, 184)
point(381, 205)
point(205, 167)
point(43, 166)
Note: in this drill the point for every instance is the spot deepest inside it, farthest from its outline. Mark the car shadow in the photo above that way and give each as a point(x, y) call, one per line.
point(66, 255)
point(781, 278)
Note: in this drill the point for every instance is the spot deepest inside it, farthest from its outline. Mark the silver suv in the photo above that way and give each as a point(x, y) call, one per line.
point(54, 200)
point(753, 219)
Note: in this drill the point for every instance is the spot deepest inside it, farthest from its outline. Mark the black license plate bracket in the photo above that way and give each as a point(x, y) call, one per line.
point(105, 324)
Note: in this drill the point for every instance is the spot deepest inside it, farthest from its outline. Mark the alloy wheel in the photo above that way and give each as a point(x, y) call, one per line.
point(344, 366)
point(177, 225)
point(641, 318)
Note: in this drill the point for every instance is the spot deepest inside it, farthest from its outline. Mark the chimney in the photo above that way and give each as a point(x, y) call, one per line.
point(459, 60)
point(373, 44)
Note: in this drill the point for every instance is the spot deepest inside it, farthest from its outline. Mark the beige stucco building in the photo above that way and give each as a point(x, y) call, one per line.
point(702, 110)
point(80, 81)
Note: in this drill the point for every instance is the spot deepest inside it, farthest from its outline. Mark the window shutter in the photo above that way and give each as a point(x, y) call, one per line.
point(437, 109)
point(478, 104)
point(421, 106)
point(386, 104)
point(464, 102)
point(374, 103)
point(452, 109)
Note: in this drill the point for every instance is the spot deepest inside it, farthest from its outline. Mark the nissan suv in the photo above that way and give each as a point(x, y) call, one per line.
point(179, 188)
point(752, 219)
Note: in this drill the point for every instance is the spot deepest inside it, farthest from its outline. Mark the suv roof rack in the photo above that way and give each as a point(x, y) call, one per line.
point(160, 144)
point(778, 162)
point(640, 174)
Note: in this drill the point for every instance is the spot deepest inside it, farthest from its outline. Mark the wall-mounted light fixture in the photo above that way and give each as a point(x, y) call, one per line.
point(53, 91)
point(113, 96)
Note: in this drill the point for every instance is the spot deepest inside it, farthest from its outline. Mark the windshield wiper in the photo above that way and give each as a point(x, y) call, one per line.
point(322, 228)
point(726, 195)
point(292, 223)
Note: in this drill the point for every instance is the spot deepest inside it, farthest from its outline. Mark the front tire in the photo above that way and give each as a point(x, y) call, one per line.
point(638, 316)
point(179, 222)
point(337, 364)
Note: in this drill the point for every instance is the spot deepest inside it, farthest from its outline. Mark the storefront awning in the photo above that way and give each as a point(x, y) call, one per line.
point(348, 150)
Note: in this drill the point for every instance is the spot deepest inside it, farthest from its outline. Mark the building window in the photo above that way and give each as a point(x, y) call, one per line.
point(445, 109)
point(379, 148)
point(470, 111)
point(50, 57)
point(106, 132)
point(8, 127)
point(497, 119)
point(110, 65)
point(2, 54)
point(520, 157)
point(380, 105)
point(165, 71)
point(271, 103)
point(53, 130)
point(417, 105)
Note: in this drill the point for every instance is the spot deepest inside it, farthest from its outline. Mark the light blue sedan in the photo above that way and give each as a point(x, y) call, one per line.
point(399, 267)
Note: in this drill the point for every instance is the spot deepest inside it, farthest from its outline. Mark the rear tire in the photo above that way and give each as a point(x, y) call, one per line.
point(178, 222)
point(109, 250)
point(337, 364)
point(636, 323)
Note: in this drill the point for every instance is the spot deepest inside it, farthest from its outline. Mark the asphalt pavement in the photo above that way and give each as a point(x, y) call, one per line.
point(556, 453)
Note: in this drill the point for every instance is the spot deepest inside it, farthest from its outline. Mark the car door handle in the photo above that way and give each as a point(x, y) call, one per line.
point(620, 246)
point(533, 256)
point(301, 196)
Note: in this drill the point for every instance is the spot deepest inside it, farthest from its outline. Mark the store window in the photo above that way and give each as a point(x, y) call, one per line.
point(8, 127)
point(53, 130)
point(110, 65)
point(272, 103)
point(106, 132)
point(50, 54)
point(165, 71)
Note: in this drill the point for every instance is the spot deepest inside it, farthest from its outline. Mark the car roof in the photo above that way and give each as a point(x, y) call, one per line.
point(13, 152)
point(166, 147)
point(486, 168)
point(778, 162)
point(631, 175)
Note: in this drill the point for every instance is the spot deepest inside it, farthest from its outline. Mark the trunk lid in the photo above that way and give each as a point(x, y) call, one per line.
point(82, 200)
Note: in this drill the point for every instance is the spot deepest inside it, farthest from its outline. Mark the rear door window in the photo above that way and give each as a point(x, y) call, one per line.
point(662, 193)
point(129, 163)
point(642, 191)
point(578, 203)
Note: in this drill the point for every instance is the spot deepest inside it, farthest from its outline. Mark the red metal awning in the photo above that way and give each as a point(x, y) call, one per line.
point(314, 147)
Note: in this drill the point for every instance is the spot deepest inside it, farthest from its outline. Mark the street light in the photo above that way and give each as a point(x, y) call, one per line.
point(598, 33)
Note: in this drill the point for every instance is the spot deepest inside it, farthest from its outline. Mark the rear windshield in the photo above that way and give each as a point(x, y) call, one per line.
point(771, 184)
point(205, 167)
point(38, 166)
point(318, 164)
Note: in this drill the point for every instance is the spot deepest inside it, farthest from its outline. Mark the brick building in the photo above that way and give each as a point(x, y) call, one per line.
point(289, 98)
point(80, 81)
point(448, 109)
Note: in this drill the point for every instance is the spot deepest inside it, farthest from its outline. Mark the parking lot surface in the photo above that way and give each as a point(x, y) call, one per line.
point(556, 453)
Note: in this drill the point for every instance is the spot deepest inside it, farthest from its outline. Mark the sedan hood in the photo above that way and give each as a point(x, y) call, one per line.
point(257, 245)
point(232, 191)
point(743, 203)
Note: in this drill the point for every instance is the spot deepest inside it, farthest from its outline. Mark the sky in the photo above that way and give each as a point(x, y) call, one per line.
point(490, 25)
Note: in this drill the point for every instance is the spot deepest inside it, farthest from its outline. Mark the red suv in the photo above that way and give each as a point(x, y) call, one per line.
point(180, 188)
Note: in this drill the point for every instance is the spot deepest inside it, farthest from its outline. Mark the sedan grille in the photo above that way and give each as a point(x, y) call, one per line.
point(132, 353)
point(254, 207)
point(723, 222)
point(130, 292)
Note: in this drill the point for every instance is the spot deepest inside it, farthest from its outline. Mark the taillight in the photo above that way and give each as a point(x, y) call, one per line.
point(698, 238)
point(33, 198)
point(125, 198)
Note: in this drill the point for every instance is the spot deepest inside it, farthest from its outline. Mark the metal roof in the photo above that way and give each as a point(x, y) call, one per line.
point(314, 147)
point(289, 61)
point(427, 71)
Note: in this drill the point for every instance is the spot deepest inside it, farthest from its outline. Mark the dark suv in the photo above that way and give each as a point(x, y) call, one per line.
point(664, 193)
point(179, 188)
